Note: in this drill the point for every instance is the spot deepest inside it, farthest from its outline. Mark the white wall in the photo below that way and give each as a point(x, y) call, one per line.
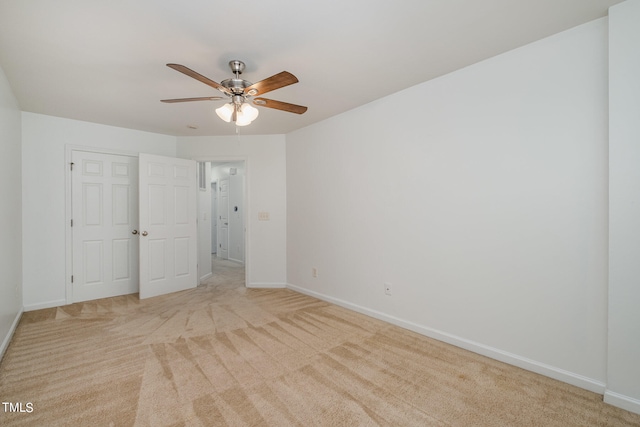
point(481, 196)
point(10, 214)
point(43, 183)
point(623, 385)
point(266, 187)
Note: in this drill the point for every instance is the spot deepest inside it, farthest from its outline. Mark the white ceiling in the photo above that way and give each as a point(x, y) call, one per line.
point(103, 61)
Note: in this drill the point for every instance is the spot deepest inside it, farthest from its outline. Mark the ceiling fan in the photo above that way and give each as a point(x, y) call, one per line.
point(242, 93)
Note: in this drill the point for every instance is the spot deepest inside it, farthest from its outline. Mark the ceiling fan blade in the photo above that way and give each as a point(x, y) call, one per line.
point(277, 81)
point(202, 98)
point(279, 105)
point(189, 72)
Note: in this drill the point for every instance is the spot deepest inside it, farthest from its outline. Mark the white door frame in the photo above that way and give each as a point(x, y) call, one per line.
point(213, 186)
point(246, 200)
point(68, 214)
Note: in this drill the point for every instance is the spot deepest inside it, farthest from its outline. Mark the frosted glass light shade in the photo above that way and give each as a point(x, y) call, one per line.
point(246, 115)
point(225, 112)
point(251, 111)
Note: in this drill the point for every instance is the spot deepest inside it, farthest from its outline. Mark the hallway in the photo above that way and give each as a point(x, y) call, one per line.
point(226, 274)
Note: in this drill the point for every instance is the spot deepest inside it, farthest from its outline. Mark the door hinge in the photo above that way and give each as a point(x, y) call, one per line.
point(71, 279)
point(71, 164)
point(72, 223)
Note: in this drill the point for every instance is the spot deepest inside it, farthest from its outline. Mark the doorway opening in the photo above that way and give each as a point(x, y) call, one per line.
point(222, 205)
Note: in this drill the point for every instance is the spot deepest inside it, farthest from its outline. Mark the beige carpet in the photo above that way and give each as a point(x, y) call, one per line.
point(225, 355)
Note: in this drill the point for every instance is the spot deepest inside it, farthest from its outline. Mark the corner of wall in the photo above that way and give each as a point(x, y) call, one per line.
point(9, 335)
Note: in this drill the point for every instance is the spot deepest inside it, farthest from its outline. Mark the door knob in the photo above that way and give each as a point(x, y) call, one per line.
point(144, 233)
point(134, 232)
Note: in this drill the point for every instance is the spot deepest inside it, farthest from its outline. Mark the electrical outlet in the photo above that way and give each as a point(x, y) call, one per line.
point(387, 288)
point(314, 272)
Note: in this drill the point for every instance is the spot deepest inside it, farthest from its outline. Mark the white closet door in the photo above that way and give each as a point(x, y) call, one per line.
point(168, 232)
point(104, 191)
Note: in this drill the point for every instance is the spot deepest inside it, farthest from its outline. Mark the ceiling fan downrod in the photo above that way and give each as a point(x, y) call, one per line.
point(236, 85)
point(237, 67)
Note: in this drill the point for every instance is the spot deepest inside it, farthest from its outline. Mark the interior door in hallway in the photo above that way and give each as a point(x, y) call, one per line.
point(104, 199)
point(168, 231)
point(223, 219)
point(214, 218)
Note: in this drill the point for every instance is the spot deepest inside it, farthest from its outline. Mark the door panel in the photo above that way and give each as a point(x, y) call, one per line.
point(122, 256)
point(181, 256)
point(92, 204)
point(223, 214)
point(120, 204)
point(93, 262)
point(104, 195)
point(156, 204)
point(168, 251)
point(236, 218)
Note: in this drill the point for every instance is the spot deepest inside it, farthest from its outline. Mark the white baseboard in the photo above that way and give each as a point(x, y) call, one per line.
point(47, 304)
point(205, 277)
point(12, 329)
point(494, 353)
point(621, 401)
point(259, 285)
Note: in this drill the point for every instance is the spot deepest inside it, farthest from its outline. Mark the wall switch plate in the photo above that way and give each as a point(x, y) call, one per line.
point(263, 216)
point(387, 288)
point(314, 272)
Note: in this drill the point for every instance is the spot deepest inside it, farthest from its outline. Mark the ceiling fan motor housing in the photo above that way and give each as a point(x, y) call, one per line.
point(236, 86)
point(236, 66)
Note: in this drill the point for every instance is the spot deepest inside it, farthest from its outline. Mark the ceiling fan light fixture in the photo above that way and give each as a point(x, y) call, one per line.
point(246, 114)
point(251, 111)
point(225, 112)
